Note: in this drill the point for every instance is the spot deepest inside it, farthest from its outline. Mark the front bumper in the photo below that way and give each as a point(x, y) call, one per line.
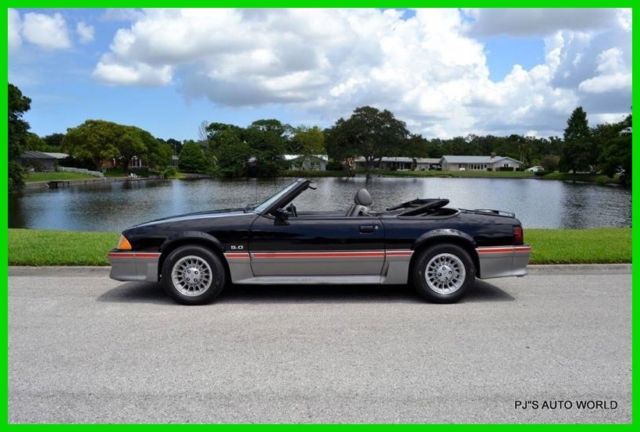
point(503, 261)
point(134, 266)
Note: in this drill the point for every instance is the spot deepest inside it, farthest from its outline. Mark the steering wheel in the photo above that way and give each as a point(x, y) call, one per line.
point(291, 208)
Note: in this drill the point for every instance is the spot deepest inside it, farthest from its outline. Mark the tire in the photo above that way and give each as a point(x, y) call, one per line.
point(193, 275)
point(451, 273)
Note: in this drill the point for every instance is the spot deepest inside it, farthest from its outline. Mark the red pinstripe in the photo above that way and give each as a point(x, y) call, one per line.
point(503, 249)
point(306, 255)
point(134, 254)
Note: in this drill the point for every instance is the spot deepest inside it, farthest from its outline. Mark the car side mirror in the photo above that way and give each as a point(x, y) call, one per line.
point(281, 215)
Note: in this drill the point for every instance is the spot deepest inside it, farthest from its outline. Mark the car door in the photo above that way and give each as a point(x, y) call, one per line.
point(317, 245)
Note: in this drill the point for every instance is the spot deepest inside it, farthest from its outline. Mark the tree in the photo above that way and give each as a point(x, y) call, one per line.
point(192, 158)
point(417, 146)
point(578, 148)
point(93, 141)
point(129, 142)
point(550, 163)
point(614, 140)
point(307, 141)
point(232, 154)
point(268, 142)
point(18, 105)
point(34, 142)
point(176, 145)
point(54, 140)
point(158, 154)
point(369, 133)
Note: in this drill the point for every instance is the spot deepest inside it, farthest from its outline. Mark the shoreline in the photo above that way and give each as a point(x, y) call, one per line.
point(597, 180)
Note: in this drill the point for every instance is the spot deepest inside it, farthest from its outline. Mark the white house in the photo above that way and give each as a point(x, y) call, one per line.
point(423, 164)
point(307, 162)
point(479, 163)
point(401, 163)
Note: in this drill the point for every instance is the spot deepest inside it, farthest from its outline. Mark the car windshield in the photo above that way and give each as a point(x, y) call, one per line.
point(267, 203)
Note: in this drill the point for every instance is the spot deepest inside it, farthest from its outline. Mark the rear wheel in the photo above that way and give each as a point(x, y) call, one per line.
point(193, 275)
point(443, 273)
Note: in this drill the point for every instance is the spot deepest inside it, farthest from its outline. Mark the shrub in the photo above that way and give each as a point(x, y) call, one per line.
point(169, 172)
point(334, 165)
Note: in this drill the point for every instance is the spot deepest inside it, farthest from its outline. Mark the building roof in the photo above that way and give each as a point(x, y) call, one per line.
point(30, 154)
point(57, 155)
point(33, 154)
point(290, 157)
point(405, 159)
point(389, 159)
point(476, 159)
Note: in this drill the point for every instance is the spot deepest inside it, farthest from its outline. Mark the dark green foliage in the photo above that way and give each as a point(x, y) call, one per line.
point(614, 140)
point(17, 128)
point(232, 147)
point(334, 165)
point(193, 158)
point(369, 133)
point(232, 154)
point(54, 140)
point(578, 147)
point(95, 141)
point(550, 163)
point(307, 141)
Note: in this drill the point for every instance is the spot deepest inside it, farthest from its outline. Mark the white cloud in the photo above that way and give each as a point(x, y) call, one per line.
point(138, 73)
point(85, 32)
point(427, 69)
point(15, 29)
point(527, 22)
point(612, 75)
point(46, 31)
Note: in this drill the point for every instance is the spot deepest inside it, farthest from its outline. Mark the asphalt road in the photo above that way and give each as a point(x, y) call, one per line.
point(84, 348)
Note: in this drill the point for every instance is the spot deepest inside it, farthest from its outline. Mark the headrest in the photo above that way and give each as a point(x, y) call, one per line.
point(363, 198)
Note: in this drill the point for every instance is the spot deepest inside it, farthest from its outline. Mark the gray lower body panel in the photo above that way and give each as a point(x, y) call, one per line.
point(346, 267)
point(134, 266)
point(503, 261)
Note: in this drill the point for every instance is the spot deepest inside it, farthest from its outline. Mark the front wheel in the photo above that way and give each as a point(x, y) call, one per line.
point(193, 275)
point(443, 273)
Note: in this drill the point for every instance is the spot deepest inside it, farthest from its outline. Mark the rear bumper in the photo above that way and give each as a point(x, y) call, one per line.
point(503, 261)
point(134, 266)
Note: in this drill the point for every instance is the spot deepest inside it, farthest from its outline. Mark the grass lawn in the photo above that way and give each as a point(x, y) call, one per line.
point(596, 245)
point(550, 246)
point(39, 247)
point(56, 175)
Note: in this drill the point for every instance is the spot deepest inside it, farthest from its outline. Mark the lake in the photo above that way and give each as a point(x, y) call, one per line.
point(118, 205)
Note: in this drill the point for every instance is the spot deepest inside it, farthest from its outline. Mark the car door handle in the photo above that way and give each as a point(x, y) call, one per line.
point(368, 228)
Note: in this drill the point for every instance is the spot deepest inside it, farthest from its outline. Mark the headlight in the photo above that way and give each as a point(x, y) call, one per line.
point(123, 243)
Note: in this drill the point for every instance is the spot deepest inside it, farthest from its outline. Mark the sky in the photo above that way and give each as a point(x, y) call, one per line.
point(445, 72)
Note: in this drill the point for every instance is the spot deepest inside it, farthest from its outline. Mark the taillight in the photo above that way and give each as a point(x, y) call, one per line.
point(518, 235)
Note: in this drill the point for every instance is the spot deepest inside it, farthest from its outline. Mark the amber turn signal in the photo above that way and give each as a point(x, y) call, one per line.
point(123, 243)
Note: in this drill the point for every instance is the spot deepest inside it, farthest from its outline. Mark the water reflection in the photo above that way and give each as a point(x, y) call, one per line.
point(114, 206)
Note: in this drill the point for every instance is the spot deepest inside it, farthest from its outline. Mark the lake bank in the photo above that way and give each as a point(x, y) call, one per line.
point(549, 246)
point(582, 178)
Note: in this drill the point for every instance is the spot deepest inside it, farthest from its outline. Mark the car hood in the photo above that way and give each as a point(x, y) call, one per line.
point(192, 216)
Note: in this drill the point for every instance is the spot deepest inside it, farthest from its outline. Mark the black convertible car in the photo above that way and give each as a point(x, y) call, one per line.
point(439, 250)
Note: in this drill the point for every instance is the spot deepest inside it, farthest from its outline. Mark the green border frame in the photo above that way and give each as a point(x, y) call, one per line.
point(4, 323)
